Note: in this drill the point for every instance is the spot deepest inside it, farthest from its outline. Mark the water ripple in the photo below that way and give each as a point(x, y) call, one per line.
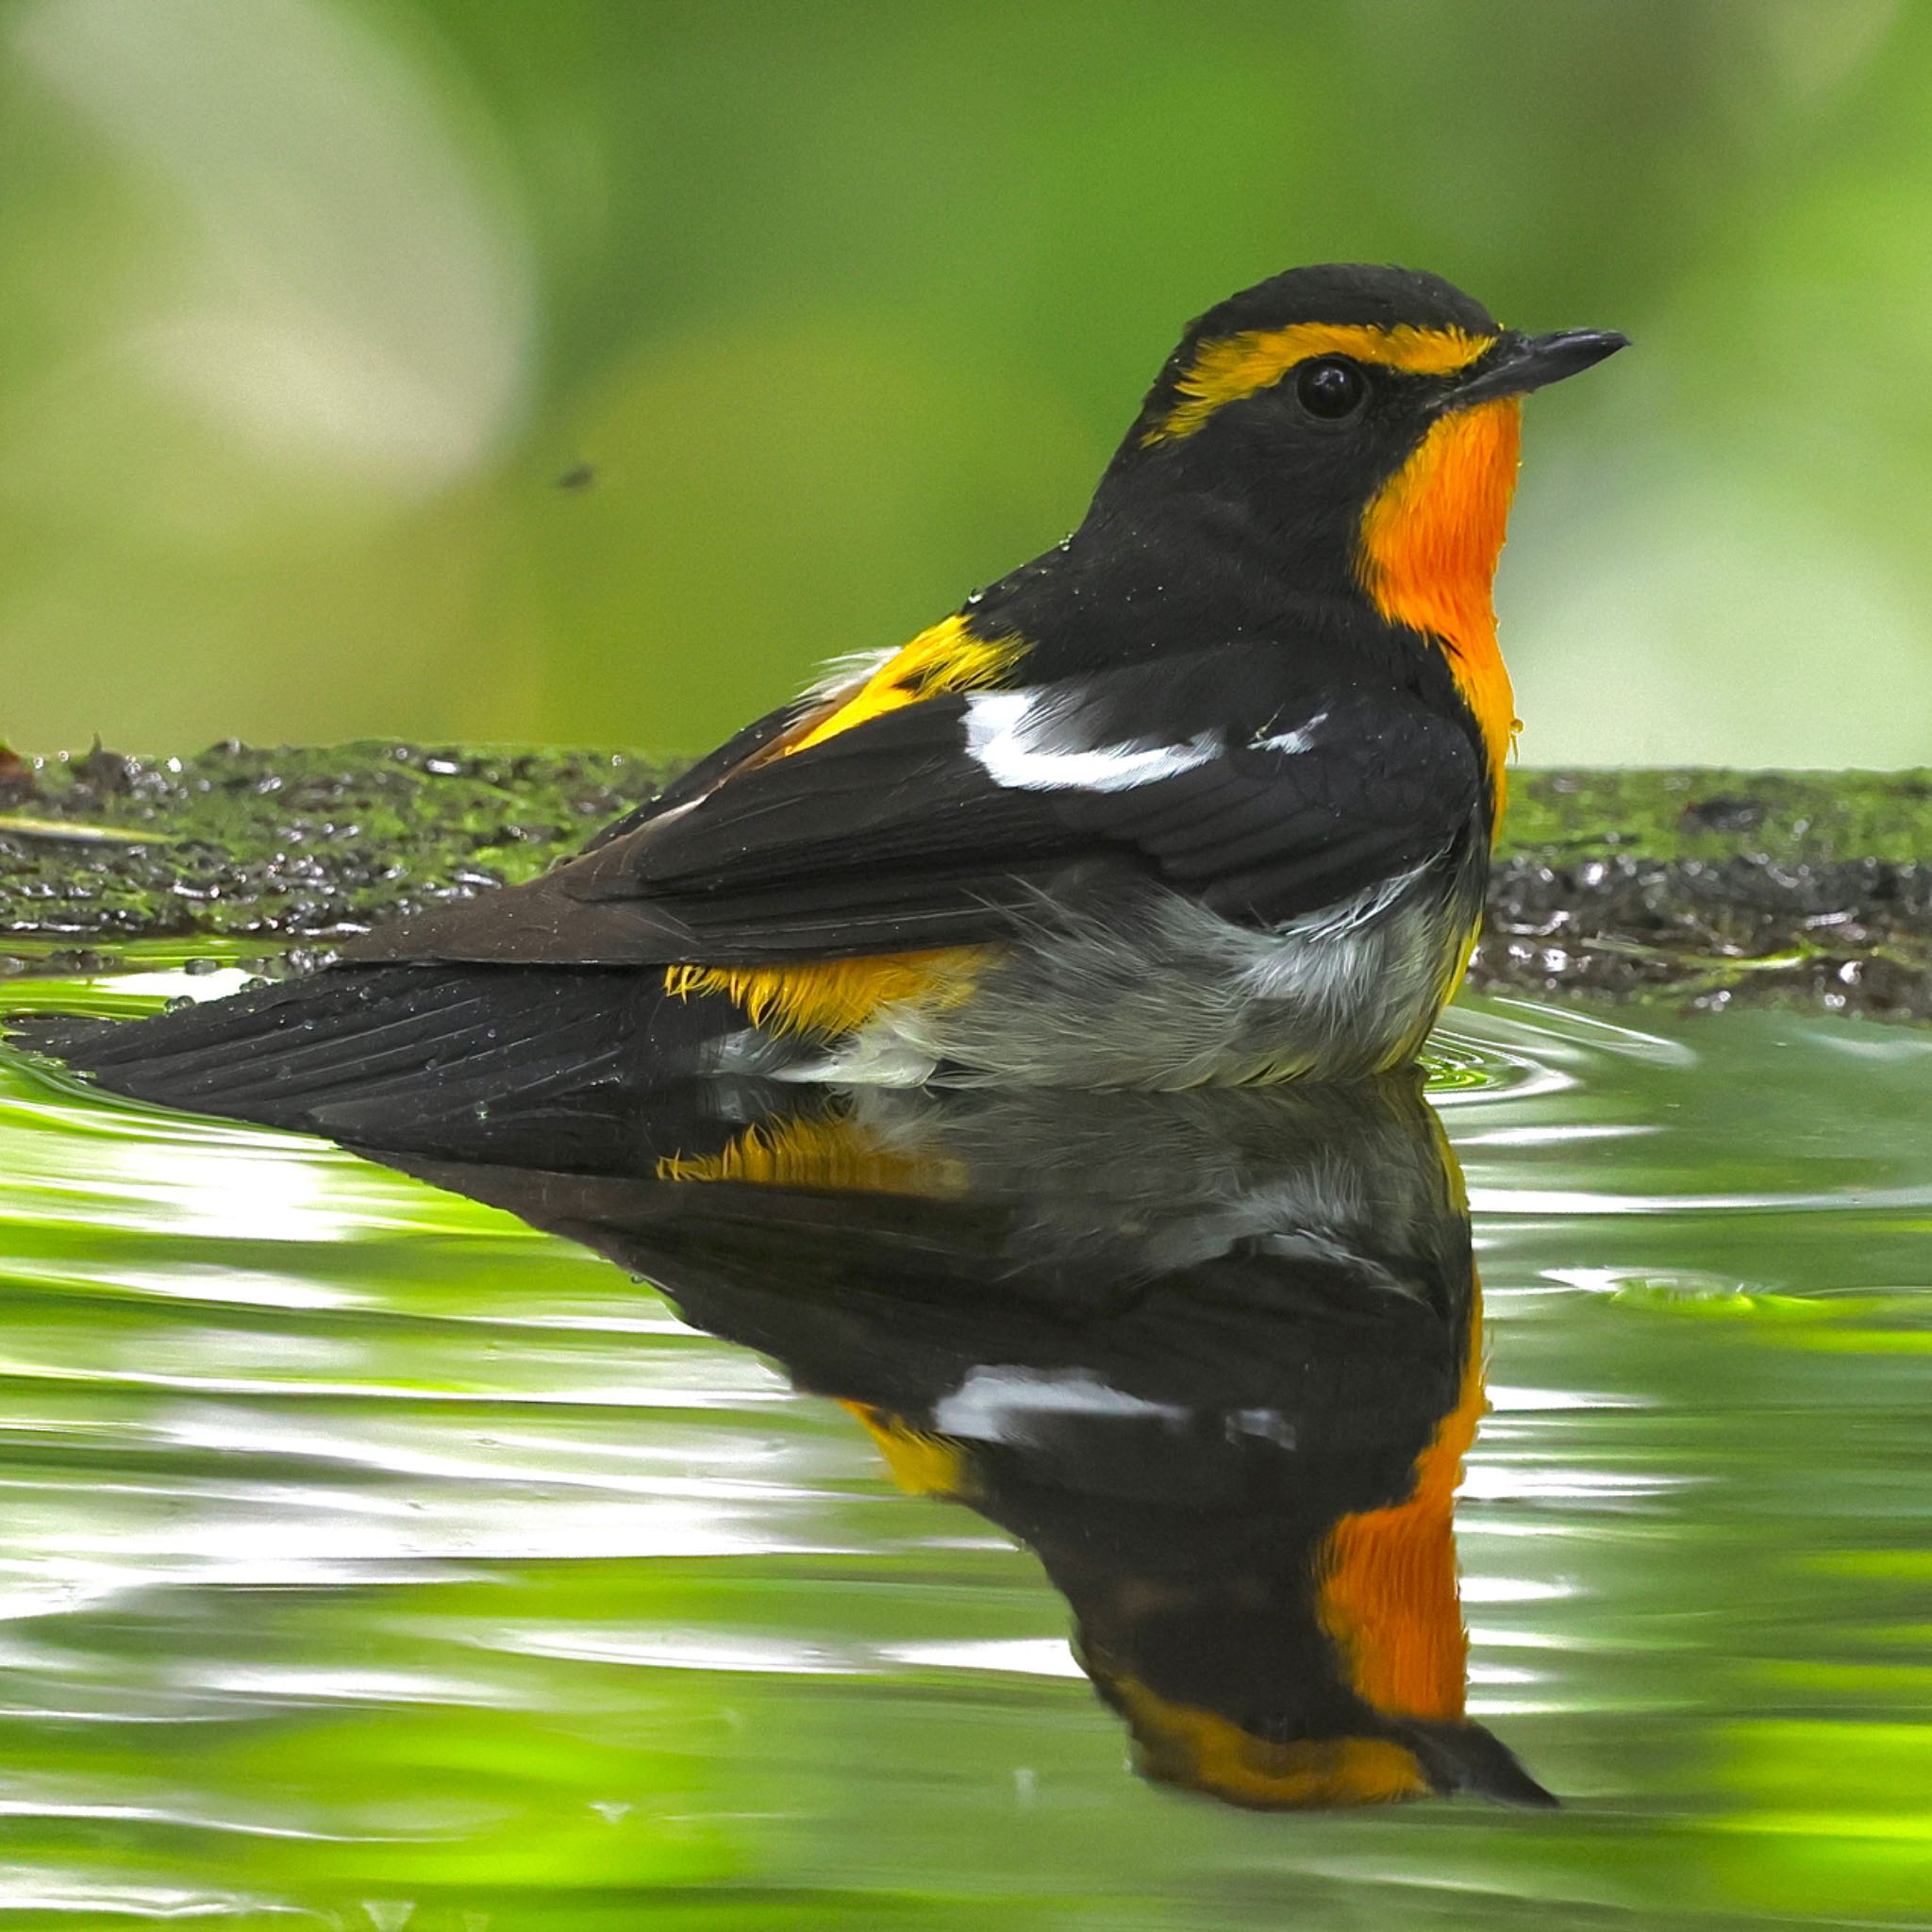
point(370, 1559)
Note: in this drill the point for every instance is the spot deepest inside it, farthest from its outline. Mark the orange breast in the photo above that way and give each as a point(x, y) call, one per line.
point(1388, 1594)
point(1430, 544)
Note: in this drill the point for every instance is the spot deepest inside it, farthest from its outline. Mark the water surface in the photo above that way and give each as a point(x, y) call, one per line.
point(369, 1558)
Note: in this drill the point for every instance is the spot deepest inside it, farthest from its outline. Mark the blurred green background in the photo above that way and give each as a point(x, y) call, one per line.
point(829, 312)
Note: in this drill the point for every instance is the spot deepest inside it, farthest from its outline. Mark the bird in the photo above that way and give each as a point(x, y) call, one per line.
point(1215, 1358)
point(1203, 795)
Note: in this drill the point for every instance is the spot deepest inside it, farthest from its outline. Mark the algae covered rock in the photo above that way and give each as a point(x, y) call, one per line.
point(1706, 884)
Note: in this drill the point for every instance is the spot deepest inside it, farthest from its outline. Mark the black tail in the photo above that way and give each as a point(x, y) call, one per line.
point(384, 1055)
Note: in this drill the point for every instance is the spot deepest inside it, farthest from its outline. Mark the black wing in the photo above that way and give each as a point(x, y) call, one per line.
point(1228, 774)
point(711, 769)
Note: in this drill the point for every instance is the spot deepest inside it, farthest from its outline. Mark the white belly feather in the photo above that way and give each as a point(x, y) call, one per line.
point(1169, 995)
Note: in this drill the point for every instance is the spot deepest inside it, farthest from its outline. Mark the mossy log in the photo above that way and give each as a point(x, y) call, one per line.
point(1686, 884)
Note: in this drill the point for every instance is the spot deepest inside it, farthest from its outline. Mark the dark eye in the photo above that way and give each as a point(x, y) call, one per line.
point(1330, 388)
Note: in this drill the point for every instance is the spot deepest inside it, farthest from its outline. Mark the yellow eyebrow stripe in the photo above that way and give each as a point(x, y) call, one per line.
point(1236, 366)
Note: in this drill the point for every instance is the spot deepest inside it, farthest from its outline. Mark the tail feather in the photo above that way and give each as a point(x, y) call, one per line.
point(386, 1051)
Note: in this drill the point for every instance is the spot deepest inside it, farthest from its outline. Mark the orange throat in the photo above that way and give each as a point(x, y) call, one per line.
point(1429, 542)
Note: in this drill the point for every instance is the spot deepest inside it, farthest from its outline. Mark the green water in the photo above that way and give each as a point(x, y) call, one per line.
point(369, 1558)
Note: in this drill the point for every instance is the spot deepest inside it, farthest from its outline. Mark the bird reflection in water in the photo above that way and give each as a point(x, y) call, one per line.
point(1215, 1358)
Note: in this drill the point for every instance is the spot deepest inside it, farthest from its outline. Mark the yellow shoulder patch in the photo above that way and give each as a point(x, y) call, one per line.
point(833, 996)
point(947, 657)
point(922, 1464)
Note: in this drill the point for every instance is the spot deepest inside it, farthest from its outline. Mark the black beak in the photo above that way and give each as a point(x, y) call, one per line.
point(1520, 363)
point(1460, 1756)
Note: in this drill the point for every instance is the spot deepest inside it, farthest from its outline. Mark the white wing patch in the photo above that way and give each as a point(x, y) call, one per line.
point(1022, 744)
point(1289, 742)
point(1000, 1404)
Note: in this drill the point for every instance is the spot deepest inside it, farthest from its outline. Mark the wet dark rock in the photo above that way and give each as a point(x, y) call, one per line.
point(1699, 886)
point(1813, 886)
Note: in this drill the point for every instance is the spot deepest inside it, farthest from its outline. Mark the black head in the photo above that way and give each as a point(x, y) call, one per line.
point(1300, 399)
